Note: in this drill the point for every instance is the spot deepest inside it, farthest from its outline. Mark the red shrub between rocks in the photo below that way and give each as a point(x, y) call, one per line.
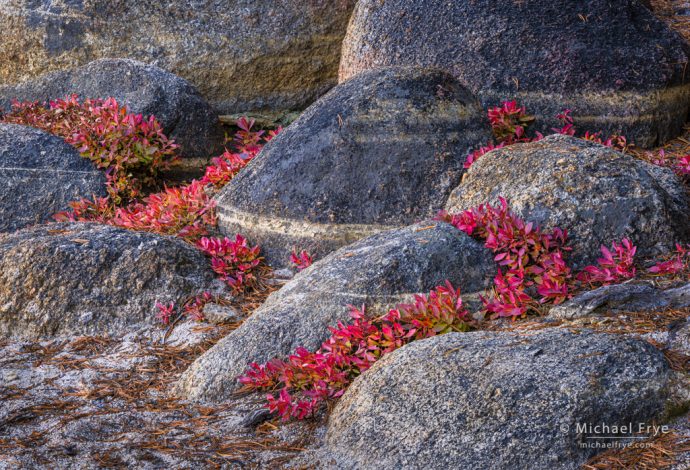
point(131, 148)
point(188, 212)
point(306, 380)
point(233, 260)
point(301, 260)
point(510, 122)
point(532, 263)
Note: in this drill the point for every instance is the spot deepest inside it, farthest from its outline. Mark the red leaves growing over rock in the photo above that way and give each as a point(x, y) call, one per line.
point(130, 147)
point(303, 382)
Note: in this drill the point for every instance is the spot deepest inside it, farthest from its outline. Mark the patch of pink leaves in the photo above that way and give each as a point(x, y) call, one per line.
point(130, 147)
point(615, 265)
point(510, 122)
point(185, 211)
point(303, 382)
point(678, 263)
point(235, 261)
point(301, 260)
point(527, 258)
point(533, 268)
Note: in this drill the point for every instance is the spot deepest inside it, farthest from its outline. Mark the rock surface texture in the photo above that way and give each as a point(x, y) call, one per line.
point(597, 194)
point(623, 298)
point(380, 272)
point(501, 401)
point(144, 89)
point(380, 151)
point(618, 67)
point(39, 175)
point(241, 55)
point(61, 279)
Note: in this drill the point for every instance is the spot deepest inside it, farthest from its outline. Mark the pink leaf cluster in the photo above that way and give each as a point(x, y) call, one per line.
point(527, 257)
point(616, 264)
point(165, 312)
point(235, 261)
point(248, 144)
point(681, 166)
point(130, 147)
point(185, 211)
point(194, 308)
point(677, 264)
point(301, 260)
point(510, 122)
point(303, 382)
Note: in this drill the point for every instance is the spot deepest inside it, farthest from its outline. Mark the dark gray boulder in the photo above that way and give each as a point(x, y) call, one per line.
point(623, 298)
point(144, 89)
point(597, 194)
point(39, 175)
point(616, 65)
point(380, 272)
point(496, 400)
point(241, 55)
point(62, 279)
point(380, 151)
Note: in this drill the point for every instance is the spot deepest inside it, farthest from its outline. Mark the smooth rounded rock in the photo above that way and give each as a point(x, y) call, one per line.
point(40, 175)
point(598, 194)
point(380, 272)
point(67, 279)
point(616, 65)
point(380, 151)
point(144, 89)
point(241, 55)
point(496, 400)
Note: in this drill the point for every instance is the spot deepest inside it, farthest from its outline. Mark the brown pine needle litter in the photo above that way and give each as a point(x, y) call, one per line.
point(652, 454)
point(129, 411)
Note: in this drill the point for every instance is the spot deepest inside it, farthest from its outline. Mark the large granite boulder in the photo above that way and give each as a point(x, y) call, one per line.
point(496, 400)
point(382, 150)
point(379, 272)
point(144, 89)
point(617, 66)
point(241, 55)
point(39, 175)
point(63, 279)
point(598, 194)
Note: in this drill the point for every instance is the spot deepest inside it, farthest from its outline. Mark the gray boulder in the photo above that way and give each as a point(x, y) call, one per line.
point(39, 175)
point(379, 272)
point(380, 151)
point(597, 194)
point(241, 55)
point(496, 400)
point(623, 298)
point(614, 63)
point(62, 279)
point(144, 89)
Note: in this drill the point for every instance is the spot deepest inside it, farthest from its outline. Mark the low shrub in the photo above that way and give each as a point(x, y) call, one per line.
point(305, 381)
point(131, 148)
